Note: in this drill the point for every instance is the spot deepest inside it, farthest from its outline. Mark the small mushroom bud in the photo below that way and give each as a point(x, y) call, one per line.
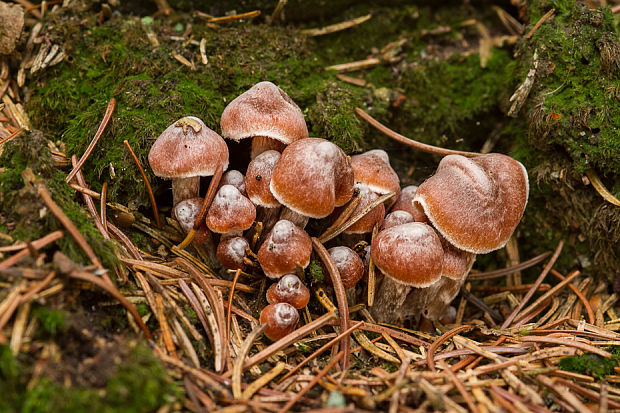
point(230, 213)
point(362, 228)
point(234, 178)
point(349, 264)
point(289, 289)
point(281, 319)
point(404, 202)
point(257, 181)
point(186, 212)
point(373, 169)
point(231, 251)
point(396, 218)
point(286, 247)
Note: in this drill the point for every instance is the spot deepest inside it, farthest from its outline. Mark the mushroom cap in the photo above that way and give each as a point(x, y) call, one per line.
point(396, 218)
point(231, 251)
point(349, 265)
point(304, 179)
point(410, 254)
point(373, 217)
point(345, 179)
point(475, 203)
point(456, 263)
point(186, 212)
point(373, 169)
point(234, 178)
point(281, 319)
point(289, 289)
point(285, 247)
point(264, 110)
point(404, 202)
point(258, 179)
point(230, 211)
point(188, 148)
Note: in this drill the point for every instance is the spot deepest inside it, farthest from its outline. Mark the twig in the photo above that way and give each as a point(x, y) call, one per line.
point(509, 270)
point(430, 354)
point(263, 380)
point(539, 23)
point(579, 295)
point(226, 19)
point(11, 137)
point(567, 396)
point(372, 278)
point(243, 353)
point(106, 118)
point(568, 343)
point(90, 204)
point(343, 217)
point(407, 141)
point(341, 298)
point(104, 221)
point(459, 386)
point(312, 383)
point(336, 27)
point(38, 244)
point(146, 183)
point(601, 189)
point(231, 294)
point(66, 222)
point(539, 281)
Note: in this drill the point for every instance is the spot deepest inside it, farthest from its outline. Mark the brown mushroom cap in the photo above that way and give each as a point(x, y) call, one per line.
point(188, 148)
point(410, 254)
point(258, 179)
point(231, 251)
point(230, 211)
point(304, 178)
point(281, 319)
point(234, 178)
point(349, 264)
point(373, 217)
point(373, 169)
point(186, 212)
point(456, 263)
point(285, 247)
point(404, 202)
point(396, 218)
point(289, 289)
point(264, 110)
point(475, 203)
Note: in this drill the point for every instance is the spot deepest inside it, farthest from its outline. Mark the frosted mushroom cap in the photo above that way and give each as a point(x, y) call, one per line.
point(373, 169)
point(188, 148)
point(404, 202)
point(289, 289)
point(456, 263)
point(231, 251)
point(304, 179)
point(186, 212)
point(258, 179)
point(410, 254)
point(264, 110)
point(396, 218)
point(475, 203)
point(234, 178)
point(230, 211)
point(285, 247)
point(349, 265)
point(373, 217)
point(281, 319)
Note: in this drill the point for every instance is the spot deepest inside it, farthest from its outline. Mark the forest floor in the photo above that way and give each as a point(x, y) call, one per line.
point(101, 311)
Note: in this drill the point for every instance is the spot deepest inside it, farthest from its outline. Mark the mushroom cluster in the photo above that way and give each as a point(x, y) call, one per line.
point(255, 219)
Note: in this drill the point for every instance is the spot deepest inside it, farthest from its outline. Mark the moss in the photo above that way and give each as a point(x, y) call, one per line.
point(140, 384)
point(316, 272)
point(592, 364)
point(27, 155)
point(51, 320)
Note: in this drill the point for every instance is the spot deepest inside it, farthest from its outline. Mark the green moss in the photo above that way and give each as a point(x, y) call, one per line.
point(316, 272)
point(51, 320)
point(592, 364)
point(140, 384)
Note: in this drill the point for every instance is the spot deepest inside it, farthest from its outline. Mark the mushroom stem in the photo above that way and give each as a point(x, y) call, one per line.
point(294, 217)
point(269, 217)
point(262, 144)
point(389, 300)
point(185, 188)
point(444, 292)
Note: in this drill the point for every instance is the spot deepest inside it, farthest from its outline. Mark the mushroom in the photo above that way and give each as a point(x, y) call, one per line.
point(475, 203)
point(404, 202)
point(184, 152)
point(257, 181)
point(281, 320)
point(396, 218)
point(410, 256)
point(186, 212)
point(268, 115)
point(230, 213)
point(231, 252)
point(286, 247)
point(361, 228)
point(234, 178)
point(373, 169)
point(312, 177)
point(289, 289)
point(349, 264)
